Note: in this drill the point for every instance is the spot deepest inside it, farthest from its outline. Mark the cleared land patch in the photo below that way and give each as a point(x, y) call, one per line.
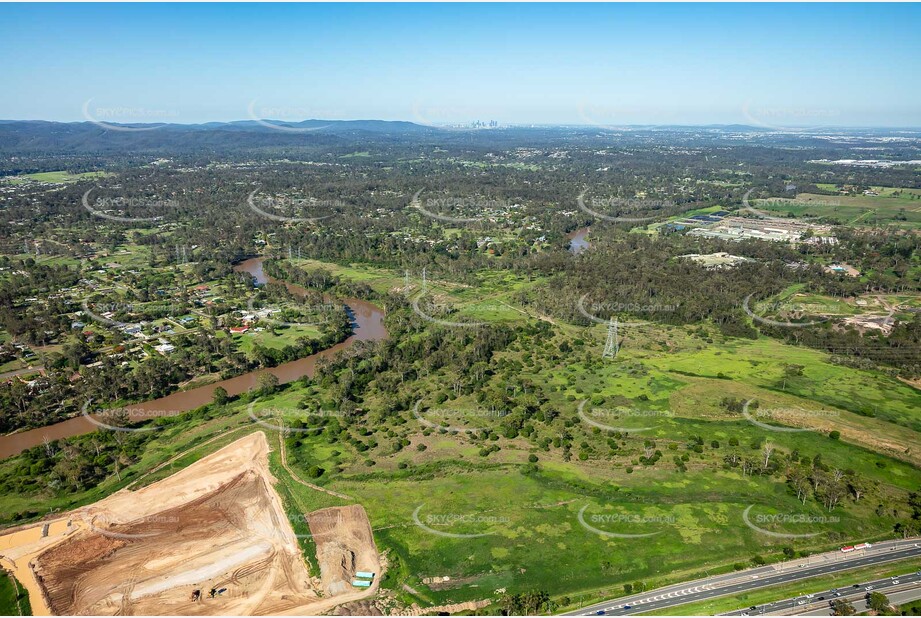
point(217, 525)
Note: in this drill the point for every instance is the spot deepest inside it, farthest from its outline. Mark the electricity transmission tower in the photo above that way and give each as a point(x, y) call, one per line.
point(612, 345)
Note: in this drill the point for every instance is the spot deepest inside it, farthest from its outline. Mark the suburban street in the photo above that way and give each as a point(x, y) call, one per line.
point(751, 579)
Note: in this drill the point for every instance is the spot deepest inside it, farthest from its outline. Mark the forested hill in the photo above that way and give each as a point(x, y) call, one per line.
point(89, 137)
point(33, 137)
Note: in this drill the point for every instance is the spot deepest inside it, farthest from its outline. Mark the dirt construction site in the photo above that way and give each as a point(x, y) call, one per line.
point(211, 539)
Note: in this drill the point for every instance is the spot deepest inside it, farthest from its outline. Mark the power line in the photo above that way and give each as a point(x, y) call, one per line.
point(612, 345)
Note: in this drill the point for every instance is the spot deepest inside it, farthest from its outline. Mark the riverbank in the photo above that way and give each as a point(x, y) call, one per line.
point(367, 325)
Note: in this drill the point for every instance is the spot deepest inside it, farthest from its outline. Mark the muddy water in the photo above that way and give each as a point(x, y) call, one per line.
point(577, 242)
point(20, 547)
point(367, 323)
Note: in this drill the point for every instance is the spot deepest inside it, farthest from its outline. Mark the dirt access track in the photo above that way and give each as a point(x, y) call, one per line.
point(216, 525)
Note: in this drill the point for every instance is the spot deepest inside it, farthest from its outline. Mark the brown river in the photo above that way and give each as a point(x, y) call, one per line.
point(368, 325)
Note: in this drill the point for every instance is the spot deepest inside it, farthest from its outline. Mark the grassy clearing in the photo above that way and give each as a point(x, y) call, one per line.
point(284, 336)
point(892, 206)
point(533, 528)
point(380, 279)
point(760, 364)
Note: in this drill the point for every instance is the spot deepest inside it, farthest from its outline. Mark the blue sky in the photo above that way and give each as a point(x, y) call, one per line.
point(610, 64)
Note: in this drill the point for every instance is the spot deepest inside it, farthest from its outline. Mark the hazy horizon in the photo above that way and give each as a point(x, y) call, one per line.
point(770, 65)
point(447, 125)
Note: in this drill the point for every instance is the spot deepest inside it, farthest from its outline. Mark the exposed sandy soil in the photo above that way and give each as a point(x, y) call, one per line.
point(216, 524)
point(344, 545)
point(358, 608)
point(19, 546)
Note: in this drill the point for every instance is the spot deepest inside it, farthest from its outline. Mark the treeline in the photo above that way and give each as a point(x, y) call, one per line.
point(28, 322)
point(634, 276)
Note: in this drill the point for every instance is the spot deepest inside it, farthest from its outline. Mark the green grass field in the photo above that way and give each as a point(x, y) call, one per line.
point(893, 206)
point(284, 336)
point(14, 600)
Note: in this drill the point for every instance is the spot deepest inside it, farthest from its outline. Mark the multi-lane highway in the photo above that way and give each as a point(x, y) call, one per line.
point(752, 579)
point(819, 603)
point(897, 598)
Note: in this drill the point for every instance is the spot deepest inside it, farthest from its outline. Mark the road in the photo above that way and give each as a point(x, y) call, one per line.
point(898, 589)
point(21, 372)
point(752, 579)
point(897, 598)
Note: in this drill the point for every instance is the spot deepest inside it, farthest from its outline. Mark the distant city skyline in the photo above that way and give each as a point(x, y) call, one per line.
point(607, 65)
